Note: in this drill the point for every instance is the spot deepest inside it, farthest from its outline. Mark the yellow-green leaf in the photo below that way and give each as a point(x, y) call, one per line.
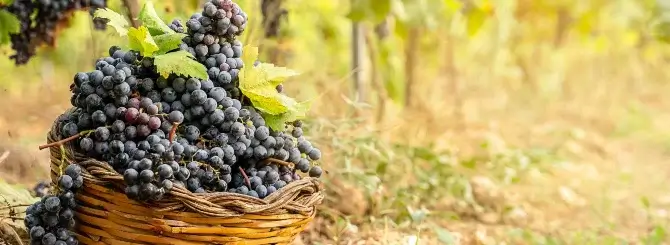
point(250, 55)
point(258, 83)
point(585, 23)
point(276, 75)
point(8, 24)
point(141, 40)
point(452, 6)
point(168, 42)
point(390, 67)
point(298, 111)
point(150, 19)
point(476, 17)
point(180, 63)
point(114, 19)
point(661, 28)
point(373, 10)
point(255, 85)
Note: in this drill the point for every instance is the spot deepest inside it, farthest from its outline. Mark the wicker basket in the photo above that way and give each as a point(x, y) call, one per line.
point(106, 216)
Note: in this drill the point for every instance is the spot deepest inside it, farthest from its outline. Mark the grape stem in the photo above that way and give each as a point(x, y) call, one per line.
point(63, 141)
point(14, 206)
point(246, 178)
point(173, 131)
point(277, 161)
point(12, 217)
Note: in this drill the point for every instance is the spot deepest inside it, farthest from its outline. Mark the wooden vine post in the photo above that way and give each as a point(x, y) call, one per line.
point(357, 56)
point(273, 13)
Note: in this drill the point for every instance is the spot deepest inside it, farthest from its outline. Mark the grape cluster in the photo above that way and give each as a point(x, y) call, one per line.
point(41, 189)
point(40, 20)
point(177, 131)
point(212, 41)
point(49, 220)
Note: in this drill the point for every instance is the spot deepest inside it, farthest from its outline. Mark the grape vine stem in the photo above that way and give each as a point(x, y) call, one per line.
point(12, 217)
point(173, 131)
point(63, 141)
point(14, 206)
point(246, 178)
point(277, 161)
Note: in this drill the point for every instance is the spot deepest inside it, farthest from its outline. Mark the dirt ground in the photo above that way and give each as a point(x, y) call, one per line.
point(615, 190)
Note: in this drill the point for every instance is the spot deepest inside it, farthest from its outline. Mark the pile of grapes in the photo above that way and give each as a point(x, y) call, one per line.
point(39, 22)
point(157, 132)
point(49, 220)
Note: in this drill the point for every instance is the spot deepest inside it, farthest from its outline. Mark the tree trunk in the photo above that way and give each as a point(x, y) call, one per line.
point(358, 45)
point(272, 16)
point(377, 79)
point(411, 53)
point(133, 9)
point(562, 23)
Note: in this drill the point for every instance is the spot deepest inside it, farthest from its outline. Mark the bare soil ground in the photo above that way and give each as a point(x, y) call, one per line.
point(612, 190)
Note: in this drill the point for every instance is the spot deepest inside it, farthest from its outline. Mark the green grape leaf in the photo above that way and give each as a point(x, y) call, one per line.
point(168, 42)
point(180, 63)
point(391, 70)
point(277, 122)
point(276, 75)
point(661, 28)
point(358, 10)
point(476, 17)
point(373, 10)
point(114, 19)
point(139, 39)
point(258, 83)
point(452, 6)
point(150, 19)
point(8, 24)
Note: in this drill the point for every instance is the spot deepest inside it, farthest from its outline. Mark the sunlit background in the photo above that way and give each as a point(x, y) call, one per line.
point(442, 121)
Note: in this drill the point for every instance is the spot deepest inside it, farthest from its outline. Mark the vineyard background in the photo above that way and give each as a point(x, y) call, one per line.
point(446, 121)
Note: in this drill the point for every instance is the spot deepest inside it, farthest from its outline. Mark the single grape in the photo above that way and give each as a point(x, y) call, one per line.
point(164, 171)
point(314, 154)
point(86, 144)
point(315, 172)
point(297, 132)
point(101, 133)
point(37, 232)
point(198, 97)
point(52, 204)
point(237, 129)
point(130, 176)
point(176, 117)
point(154, 123)
point(49, 239)
point(304, 146)
point(65, 182)
point(132, 114)
point(146, 176)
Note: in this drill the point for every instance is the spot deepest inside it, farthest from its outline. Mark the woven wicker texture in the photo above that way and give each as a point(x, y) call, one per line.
point(106, 216)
